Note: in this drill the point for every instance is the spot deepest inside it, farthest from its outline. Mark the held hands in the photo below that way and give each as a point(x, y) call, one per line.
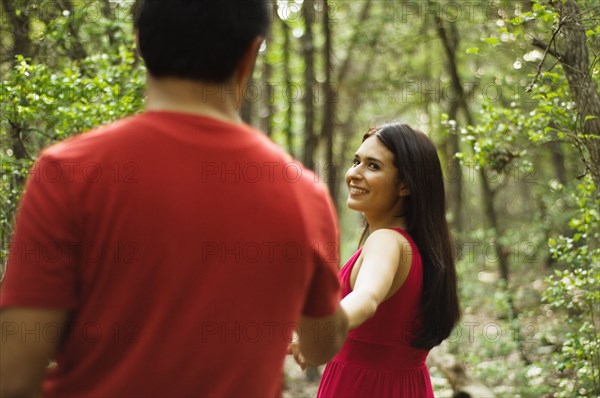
point(317, 340)
point(294, 349)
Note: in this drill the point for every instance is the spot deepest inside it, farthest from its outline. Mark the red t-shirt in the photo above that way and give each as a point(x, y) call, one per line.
point(185, 249)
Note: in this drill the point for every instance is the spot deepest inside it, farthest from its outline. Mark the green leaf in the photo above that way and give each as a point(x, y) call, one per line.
point(517, 21)
point(491, 40)
point(472, 50)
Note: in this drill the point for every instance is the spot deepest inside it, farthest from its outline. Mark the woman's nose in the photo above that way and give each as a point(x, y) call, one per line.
point(353, 173)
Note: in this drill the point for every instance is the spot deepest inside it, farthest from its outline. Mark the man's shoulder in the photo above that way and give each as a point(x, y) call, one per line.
point(293, 170)
point(84, 144)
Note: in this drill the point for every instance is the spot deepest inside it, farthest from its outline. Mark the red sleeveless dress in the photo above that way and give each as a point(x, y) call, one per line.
point(377, 359)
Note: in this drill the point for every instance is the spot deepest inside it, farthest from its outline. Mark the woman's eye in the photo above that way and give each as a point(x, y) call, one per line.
point(373, 166)
point(355, 162)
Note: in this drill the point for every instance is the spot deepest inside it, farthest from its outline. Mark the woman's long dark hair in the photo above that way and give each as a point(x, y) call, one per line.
point(418, 165)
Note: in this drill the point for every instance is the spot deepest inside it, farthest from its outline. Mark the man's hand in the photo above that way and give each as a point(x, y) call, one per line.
point(294, 349)
point(319, 339)
point(25, 349)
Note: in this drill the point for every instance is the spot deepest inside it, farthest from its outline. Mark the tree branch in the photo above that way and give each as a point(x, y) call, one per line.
point(345, 66)
point(546, 47)
point(547, 50)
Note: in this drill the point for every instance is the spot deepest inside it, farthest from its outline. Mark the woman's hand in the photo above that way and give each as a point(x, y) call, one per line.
point(294, 349)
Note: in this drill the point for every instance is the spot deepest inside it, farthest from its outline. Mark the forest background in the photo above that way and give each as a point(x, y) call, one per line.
point(508, 91)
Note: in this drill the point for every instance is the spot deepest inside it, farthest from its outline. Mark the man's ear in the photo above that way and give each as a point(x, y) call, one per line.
point(136, 38)
point(244, 69)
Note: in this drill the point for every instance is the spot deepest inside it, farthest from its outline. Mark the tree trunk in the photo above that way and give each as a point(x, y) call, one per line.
point(488, 193)
point(558, 161)
point(356, 101)
point(333, 167)
point(357, 32)
point(247, 110)
point(287, 76)
point(574, 57)
point(77, 50)
point(454, 185)
point(310, 139)
point(454, 179)
point(329, 111)
point(490, 214)
point(107, 13)
point(20, 26)
point(267, 111)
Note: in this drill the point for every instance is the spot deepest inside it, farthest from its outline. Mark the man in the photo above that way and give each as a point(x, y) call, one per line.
point(174, 252)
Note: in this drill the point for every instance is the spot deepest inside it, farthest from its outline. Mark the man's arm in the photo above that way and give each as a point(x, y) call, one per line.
point(321, 338)
point(28, 341)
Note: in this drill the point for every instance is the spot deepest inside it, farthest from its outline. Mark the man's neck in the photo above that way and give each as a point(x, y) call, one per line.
point(179, 95)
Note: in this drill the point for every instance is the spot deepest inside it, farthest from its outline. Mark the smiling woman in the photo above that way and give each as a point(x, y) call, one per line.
point(399, 289)
point(373, 185)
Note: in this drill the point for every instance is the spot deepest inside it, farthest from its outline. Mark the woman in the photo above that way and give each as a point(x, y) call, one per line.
point(399, 289)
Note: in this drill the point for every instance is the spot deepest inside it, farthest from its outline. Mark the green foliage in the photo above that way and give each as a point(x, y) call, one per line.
point(576, 289)
point(101, 89)
point(555, 110)
point(498, 140)
point(507, 138)
point(43, 103)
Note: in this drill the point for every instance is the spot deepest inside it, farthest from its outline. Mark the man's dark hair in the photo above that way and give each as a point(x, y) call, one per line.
point(202, 40)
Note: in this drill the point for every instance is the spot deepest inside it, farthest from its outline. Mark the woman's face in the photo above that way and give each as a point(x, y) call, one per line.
point(372, 181)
